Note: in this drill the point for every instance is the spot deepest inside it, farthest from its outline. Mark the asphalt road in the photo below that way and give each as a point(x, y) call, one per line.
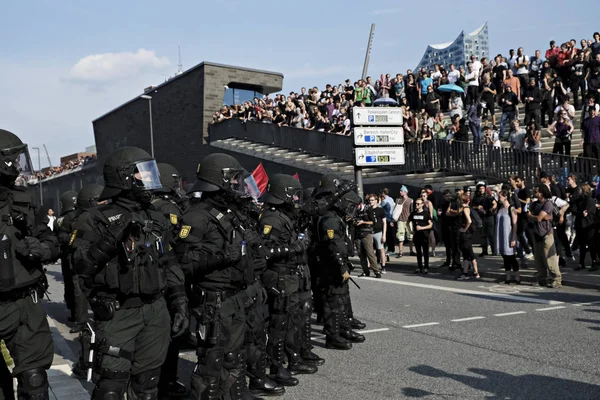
point(431, 337)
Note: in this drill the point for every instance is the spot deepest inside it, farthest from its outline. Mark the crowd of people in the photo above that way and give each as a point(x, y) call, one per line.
point(545, 85)
point(53, 171)
point(551, 224)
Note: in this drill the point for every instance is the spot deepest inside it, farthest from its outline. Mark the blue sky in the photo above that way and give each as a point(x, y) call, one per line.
point(64, 63)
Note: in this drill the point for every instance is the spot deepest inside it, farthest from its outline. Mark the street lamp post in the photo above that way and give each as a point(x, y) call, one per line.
point(149, 98)
point(39, 179)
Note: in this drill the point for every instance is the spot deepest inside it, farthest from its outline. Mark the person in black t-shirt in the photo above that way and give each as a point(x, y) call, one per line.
point(422, 224)
point(579, 74)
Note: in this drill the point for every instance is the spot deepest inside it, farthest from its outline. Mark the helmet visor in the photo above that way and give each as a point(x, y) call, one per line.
point(239, 182)
point(17, 158)
point(296, 196)
point(146, 176)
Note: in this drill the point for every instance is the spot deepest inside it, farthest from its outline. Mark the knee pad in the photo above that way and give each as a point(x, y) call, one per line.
point(33, 384)
point(231, 360)
point(210, 362)
point(279, 322)
point(109, 390)
point(145, 382)
point(306, 306)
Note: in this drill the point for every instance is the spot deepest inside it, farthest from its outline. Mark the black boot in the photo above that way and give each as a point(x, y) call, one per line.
point(278, 372)
point(297, 366)
point(311, 358)
point(333, 340)
point(356, 324)
point(248, 395)
point(172, 390)
point(352, 336)
point(260, 384)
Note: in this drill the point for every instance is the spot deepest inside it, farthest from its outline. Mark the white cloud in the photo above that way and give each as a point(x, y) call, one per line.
point(387, 11)
point(111, 67)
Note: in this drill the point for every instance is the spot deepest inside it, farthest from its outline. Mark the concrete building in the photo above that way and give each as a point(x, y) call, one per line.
point(457, 52)
point(181, 110)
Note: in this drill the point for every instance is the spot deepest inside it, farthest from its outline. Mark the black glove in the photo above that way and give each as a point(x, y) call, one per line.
point(181, 316)
point(252, 237)
point(31, 248)
point(233, 253)
point(299, 246)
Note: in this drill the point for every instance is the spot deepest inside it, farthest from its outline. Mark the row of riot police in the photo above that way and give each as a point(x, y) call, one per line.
point(144, 259)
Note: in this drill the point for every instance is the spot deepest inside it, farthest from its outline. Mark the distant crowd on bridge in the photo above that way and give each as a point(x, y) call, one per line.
point(531, 93)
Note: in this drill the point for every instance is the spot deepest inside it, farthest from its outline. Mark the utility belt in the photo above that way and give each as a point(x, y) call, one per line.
point(35, 290)
point(104, 307)
point(285, 269)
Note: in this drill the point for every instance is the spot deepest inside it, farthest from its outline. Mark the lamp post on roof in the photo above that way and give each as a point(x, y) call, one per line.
point(39, 179)
point(149, 98)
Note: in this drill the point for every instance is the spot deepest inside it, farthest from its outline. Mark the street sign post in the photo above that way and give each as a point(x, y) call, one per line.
point(376, 116)
point(374, 156)
point(378, 136)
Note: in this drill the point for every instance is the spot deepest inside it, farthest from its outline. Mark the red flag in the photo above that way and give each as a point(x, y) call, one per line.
point(261, 177)
point(296, 177)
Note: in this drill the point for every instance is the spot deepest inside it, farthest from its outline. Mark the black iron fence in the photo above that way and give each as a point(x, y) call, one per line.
point(486, 162)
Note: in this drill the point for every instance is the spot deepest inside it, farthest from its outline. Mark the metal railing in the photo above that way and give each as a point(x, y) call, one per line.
point(459, 157)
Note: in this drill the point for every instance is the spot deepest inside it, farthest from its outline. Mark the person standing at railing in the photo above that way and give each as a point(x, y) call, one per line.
point(562, 129)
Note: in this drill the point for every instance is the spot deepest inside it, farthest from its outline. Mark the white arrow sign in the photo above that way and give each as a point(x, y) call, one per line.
point(379, 156)
point(377, 116)
point(378, 136)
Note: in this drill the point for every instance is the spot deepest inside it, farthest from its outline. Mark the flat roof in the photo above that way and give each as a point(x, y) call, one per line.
point(208, 63)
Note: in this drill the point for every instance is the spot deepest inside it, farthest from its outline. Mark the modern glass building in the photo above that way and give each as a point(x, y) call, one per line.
point(457, 52)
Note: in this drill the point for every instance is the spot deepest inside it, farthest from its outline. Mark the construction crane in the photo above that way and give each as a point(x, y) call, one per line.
point(48, 155)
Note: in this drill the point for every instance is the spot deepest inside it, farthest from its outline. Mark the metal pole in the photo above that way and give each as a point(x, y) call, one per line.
point(151, 129)
point(358, 170)
point(40, 179)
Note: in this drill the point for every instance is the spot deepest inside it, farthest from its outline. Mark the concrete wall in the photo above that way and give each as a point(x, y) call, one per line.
point(181, 111)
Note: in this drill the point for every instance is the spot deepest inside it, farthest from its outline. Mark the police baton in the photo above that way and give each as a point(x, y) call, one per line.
point(355, 284)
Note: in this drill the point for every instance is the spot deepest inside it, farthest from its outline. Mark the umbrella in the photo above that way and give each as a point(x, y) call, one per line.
point(385, 101)
point(451, 88)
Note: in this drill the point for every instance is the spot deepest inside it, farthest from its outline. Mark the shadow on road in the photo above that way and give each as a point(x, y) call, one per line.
point(506, 386)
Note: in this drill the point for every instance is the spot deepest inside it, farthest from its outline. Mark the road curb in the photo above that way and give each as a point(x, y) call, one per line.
point(487, 276)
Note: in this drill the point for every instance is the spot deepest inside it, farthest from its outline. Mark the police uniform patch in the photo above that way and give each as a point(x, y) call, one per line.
point(330, 233)
point(185, 231)
point(73, 236)
point(173, 218)
point(267, 229)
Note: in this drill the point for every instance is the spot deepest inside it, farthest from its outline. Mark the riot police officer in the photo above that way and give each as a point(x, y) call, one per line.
point(168, 200)
point(212, 247)
point(257, 314)
point(333, 251)
point(125, 265)
point(87, 198)
point(68, 211)
point(286, 254)
point(22, 278)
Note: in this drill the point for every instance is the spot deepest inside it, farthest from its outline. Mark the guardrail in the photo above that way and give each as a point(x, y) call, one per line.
point(461, 157)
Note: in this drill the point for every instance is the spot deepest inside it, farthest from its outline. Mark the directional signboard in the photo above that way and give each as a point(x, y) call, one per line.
point(379, 156)
point(377, 116)
point(378, 136)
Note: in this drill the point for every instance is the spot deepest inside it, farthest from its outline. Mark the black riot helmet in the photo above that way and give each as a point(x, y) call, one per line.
point(333, 184)
point(132, 172)
point(68, 201)
point(88, 196)
point(170, 180)
point(222, 172)
point(14, 159)
point(347, 205)
point(308, 193)
point(283, 189)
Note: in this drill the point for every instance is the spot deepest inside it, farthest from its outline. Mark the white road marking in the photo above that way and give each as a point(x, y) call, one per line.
point(467, 291)
point(361, 332)
point(586, 304)
point(466, 319)
point(510, 313)
point(419, 325)
point(550, 308)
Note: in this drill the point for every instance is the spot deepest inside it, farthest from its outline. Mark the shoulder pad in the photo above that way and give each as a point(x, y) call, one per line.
point(21, 197)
